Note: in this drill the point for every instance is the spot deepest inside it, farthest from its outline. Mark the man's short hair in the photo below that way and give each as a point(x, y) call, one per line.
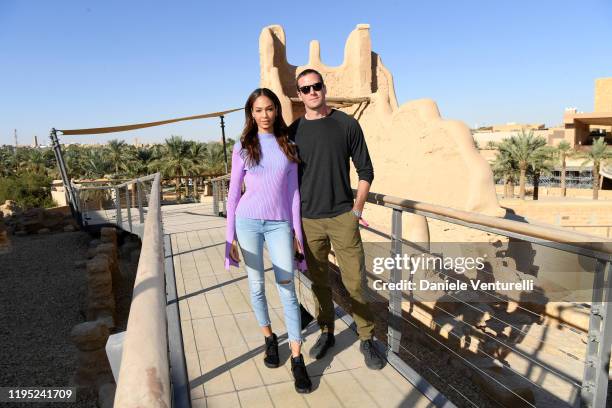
point(308, 71)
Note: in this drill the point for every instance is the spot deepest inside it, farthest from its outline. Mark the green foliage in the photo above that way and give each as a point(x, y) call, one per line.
point(176, 158)
point(28, 190)
point(520, 156)
point(598, 155)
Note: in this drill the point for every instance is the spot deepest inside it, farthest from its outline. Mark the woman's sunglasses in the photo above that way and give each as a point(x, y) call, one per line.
point(306, 89)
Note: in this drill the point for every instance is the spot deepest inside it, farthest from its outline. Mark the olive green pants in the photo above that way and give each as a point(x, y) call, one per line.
point(342, 232)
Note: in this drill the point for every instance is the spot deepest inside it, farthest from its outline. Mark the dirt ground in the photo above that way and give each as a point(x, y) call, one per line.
point(42, 294)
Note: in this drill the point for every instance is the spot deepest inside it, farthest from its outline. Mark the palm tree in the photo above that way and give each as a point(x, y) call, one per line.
point(197, 152)
point(215, 160)
point(176, 161)
point(94, 164)
point(598, 155)
point(505, 168)
point(117, 154)
point(563, 150)
point(142, 158)
point(522, 148)
point(541, 163)
point(7, 161)
point(74, 156)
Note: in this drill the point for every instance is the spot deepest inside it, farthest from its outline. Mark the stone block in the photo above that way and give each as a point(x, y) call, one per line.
point(108, 235)
point(98, 264)
point(93, 360)
point(9, 209)
point(106, 319)
point(99, 304)
point(91, 335)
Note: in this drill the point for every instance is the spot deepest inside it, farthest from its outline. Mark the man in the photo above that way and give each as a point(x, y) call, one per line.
point(326, 139)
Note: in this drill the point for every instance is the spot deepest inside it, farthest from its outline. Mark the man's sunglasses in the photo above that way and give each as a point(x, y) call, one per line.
point(306, 89)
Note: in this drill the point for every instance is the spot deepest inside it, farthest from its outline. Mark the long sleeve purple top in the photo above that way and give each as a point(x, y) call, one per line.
point(272, 191)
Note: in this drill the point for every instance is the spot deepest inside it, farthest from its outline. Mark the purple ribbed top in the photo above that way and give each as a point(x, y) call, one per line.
point(272, 191)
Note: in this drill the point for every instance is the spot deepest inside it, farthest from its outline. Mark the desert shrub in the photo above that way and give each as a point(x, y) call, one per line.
point(28, 190)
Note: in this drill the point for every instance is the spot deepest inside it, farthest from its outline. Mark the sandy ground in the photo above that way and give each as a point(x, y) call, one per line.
point(40, 296)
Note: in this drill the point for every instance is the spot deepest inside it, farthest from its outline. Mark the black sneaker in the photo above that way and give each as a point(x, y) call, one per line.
point(271, 359)
point(302, 382)
point(324, 342)
point(372, 360)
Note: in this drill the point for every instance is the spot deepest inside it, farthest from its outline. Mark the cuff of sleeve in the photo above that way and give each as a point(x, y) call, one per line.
point(230, 262)
point(367, 177)
point(228, 259)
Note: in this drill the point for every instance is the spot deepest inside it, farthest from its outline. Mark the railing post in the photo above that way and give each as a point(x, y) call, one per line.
point(128, 201)
point(224, 196)
point(139, 199)
point(215, 189)
point(394, 332)
point(118, 219)
point(599, 340)
point(77, 199)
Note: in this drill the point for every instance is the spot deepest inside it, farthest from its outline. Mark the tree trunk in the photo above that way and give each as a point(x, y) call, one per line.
point(522, 182)
point(177, 188)
point(536, 185)
point(563, 171)
point(595, 181)
point(509, 189)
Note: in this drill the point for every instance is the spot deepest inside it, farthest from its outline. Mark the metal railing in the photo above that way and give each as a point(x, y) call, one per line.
point(590, 388)
point(594, 382)
point(125, 204)
point(220, 189)
point(152, 374)
point(144, 378)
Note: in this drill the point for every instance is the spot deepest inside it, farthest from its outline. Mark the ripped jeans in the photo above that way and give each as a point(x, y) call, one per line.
point(251, 234)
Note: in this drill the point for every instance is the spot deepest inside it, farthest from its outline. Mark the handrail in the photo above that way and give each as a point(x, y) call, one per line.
point(594, 383)
point(224, 177)
point(600, 247)
point(144, 379)
point(594, 380)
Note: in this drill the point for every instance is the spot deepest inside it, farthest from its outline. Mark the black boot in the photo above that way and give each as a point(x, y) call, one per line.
point(271, 359)
point(302, 383)
point(372, 360)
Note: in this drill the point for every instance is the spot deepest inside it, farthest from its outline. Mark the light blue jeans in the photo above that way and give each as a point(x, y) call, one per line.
point(251, 234)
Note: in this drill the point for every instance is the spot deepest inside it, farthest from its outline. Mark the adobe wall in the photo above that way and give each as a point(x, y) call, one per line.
point(588, 216)
point(603, 95)
point(416, 153)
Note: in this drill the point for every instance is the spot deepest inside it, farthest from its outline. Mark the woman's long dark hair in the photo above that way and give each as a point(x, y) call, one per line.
point(249, 137)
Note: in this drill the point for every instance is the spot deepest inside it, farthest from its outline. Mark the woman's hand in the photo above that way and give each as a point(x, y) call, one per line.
point(234, 251)
point(296, 246)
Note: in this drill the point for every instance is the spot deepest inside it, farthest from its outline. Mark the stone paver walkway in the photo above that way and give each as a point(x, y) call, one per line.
point(224, 345)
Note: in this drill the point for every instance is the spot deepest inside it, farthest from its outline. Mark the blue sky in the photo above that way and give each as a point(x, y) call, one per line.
point(73, 64)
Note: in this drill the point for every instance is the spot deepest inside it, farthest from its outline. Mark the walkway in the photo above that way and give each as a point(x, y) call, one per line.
point(223, 343)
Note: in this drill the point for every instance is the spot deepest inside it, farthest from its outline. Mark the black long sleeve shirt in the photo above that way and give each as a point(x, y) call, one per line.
point(325, 146)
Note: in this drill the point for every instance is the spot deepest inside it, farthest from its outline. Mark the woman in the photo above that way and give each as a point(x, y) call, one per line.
point(268, 211)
